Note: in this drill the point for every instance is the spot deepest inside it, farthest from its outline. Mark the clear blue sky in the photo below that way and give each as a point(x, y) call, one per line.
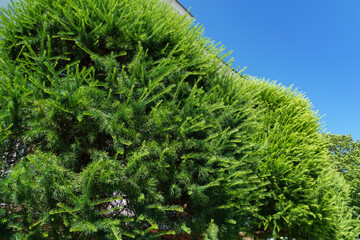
point(311, 44)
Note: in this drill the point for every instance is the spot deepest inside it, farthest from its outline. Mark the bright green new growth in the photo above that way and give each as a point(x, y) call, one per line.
point(307, 199)
point(119, 120)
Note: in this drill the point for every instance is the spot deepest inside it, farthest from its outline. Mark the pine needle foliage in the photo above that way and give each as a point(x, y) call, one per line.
point(306, 198)
point(117, 125)
point(119, 120)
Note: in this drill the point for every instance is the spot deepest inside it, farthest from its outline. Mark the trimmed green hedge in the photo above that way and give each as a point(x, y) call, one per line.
point(120, 120)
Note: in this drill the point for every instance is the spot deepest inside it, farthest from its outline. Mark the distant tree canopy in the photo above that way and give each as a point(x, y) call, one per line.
point(345, 155)
point(120, 120)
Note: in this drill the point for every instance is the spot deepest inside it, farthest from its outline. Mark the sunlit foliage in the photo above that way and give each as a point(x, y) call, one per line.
point(119, 120)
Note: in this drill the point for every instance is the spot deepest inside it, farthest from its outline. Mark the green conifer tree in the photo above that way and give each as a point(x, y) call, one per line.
point(116, 124)
point(119, 120)
point(306, 198)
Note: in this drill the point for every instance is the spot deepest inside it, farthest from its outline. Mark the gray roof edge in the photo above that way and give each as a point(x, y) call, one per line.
point(186, 10)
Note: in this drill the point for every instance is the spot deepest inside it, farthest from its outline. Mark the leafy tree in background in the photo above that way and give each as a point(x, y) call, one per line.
point(345, 155)
point(119, 120)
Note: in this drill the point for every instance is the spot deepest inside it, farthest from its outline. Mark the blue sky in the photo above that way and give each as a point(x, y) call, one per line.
point(313, 45)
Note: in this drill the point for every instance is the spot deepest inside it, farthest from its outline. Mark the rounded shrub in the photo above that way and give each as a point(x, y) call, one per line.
point(119, 120)
point(306, 198)
point(117, 124)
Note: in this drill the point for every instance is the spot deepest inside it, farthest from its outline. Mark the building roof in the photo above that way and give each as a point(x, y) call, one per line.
point(179, 7)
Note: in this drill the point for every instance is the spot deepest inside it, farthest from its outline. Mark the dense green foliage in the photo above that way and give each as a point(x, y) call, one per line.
point(345, 155)
point(120, 124)
point(119, 120)
point(304, 192)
